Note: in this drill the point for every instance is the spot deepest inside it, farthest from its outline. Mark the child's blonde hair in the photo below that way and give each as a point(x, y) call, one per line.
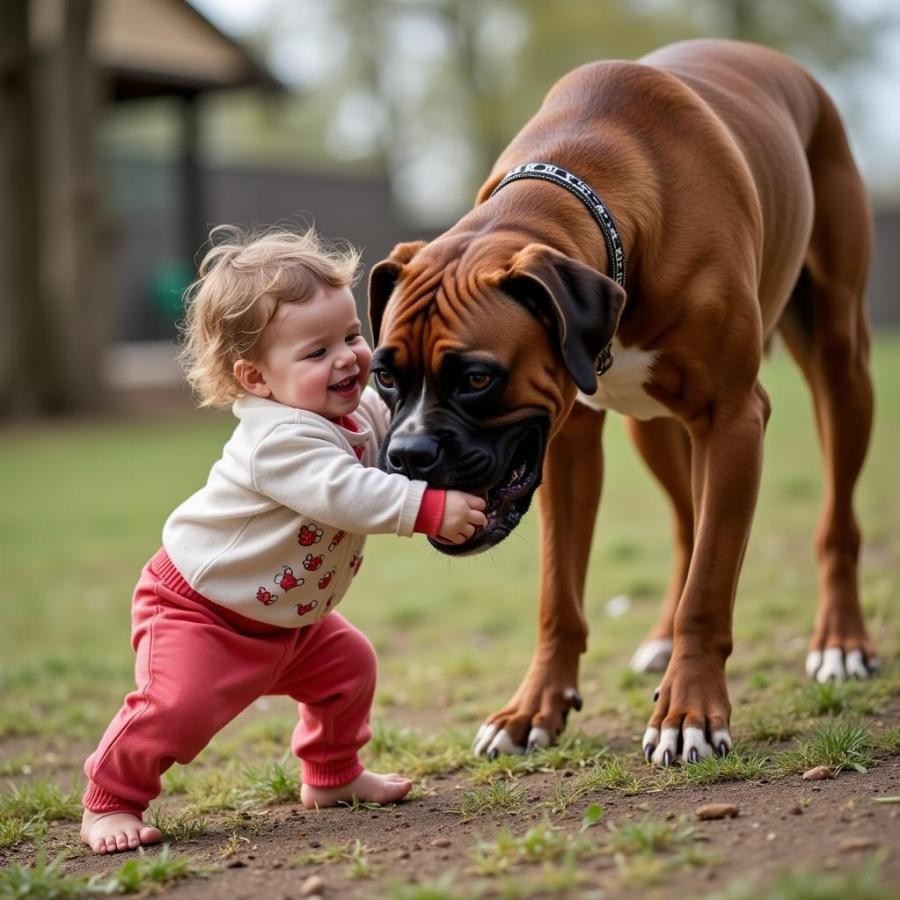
point(242, 281)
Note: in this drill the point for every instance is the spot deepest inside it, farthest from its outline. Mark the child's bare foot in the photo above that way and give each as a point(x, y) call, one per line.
point(117, 831)
point(369, 787)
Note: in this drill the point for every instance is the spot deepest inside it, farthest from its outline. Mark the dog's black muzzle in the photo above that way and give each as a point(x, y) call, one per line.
point(502, 465)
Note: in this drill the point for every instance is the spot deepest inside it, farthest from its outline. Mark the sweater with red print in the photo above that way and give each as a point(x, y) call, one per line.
point(277, 532)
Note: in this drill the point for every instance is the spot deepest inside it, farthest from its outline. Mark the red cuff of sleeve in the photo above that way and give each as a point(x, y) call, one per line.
point(431, 512)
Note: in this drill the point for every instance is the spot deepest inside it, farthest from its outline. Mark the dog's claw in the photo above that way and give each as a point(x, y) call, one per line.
point(723, 750)
point(648, 751)
point(656, 695)
point(493, 753)
point(667, 759)
point(574, 699)
point(695, 756)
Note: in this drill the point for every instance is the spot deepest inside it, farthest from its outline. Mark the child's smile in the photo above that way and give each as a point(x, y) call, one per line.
point(314, 356)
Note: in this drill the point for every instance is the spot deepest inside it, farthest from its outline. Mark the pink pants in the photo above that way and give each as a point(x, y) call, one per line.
point(199, 665)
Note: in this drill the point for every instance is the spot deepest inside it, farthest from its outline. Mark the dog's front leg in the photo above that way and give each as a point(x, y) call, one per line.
point(568, 497)
point(693, 710)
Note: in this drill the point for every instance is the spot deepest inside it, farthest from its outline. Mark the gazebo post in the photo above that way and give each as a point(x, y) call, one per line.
point(193, 194)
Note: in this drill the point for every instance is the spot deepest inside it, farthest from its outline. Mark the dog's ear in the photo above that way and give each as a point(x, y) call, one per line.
point(584, 304)
point(383, 279)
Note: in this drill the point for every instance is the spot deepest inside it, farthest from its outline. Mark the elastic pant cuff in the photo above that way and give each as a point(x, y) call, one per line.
point(100, 801)
point(331, 774)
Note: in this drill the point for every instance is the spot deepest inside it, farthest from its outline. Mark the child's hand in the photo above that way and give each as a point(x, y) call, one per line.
point(462, 515)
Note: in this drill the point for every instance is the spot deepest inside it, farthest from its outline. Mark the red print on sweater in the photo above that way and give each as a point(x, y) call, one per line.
point(309, 535)
point(286, 580)
point(311, 563)
point(338, 537)
point(304, 608)
point(325, 580)
point(355, 563)
point(267, 598)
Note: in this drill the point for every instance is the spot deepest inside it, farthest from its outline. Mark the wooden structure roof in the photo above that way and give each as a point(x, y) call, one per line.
point(149, 48)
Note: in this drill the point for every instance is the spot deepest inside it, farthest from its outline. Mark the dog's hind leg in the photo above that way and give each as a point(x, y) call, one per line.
point(665, 447)
point(825, 329)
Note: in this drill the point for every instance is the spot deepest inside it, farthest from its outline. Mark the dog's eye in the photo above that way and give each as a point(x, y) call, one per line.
point(478, 381)
point(385, 379)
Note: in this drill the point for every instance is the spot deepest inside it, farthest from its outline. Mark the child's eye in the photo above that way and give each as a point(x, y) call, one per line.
point(317, 354)
point(353, 337)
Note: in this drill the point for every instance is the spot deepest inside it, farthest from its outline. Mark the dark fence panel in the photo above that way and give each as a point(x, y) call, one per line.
point(146, 263)
point(147, 267)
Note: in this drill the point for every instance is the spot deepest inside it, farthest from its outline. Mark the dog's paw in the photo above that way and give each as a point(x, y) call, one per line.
point(837, 664)
point(688, 743)
point(522, 728)
point(690, 721)
point(652, 656)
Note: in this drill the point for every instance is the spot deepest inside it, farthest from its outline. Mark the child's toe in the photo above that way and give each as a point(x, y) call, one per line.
point(150, 835)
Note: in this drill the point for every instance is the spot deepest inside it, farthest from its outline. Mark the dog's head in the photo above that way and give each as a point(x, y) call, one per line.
point(482, 345)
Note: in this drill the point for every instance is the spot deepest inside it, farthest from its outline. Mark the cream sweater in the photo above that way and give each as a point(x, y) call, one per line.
point(277, 532)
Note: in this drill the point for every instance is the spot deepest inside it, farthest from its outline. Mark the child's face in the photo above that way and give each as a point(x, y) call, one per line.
point(314, 356)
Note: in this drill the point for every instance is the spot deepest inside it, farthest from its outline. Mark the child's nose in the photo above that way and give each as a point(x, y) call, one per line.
point(346, 357)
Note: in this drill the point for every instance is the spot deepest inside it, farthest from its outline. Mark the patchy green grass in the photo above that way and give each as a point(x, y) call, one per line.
point(544, 843)
point(500, 796)
point(574, 751)
point(736, 766)
point(612, 775)
point(43, 799)
point(811, 883)
point(649, 835)
point(15, 830)
point(331, 853)
point(840, 744)
point(178, 827)
point(142, 874)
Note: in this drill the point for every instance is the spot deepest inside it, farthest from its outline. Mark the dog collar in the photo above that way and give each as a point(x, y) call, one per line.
point(615, 252)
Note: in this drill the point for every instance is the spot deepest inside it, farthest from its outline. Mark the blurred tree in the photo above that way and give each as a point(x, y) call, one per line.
point(19, 310)
point(48, 287)
point(824, 33)
point(432, 90)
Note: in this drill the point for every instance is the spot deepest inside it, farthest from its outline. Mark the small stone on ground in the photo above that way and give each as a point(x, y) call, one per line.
point(716, 811)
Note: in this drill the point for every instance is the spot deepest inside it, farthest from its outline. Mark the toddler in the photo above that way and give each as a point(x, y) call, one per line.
point(239, 601)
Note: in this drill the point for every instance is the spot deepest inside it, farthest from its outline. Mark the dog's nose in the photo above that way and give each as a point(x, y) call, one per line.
point(414, 455)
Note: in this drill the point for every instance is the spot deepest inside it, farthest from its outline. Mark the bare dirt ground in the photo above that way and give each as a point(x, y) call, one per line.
point(423, 848)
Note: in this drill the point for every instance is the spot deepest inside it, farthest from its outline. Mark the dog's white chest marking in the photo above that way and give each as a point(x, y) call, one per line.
point(621, 388)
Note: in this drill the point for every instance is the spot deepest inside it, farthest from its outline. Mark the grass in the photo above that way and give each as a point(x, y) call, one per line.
point(649, 835)
point(574, 751)
point(840, 744)
point(142, 874)
point(860, 883)
point(14, 830)
point(454, 638)
point(178, 827)
point(43, 799)
point(734, 767)
point(498, 797)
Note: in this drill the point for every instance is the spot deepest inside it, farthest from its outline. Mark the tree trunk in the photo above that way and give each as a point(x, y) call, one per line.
point(22, 381)
point(70, 346)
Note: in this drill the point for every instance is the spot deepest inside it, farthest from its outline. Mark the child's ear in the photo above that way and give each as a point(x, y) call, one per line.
point(251, 379)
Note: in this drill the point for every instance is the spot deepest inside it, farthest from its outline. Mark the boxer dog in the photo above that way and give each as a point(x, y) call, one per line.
point(635, 248)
